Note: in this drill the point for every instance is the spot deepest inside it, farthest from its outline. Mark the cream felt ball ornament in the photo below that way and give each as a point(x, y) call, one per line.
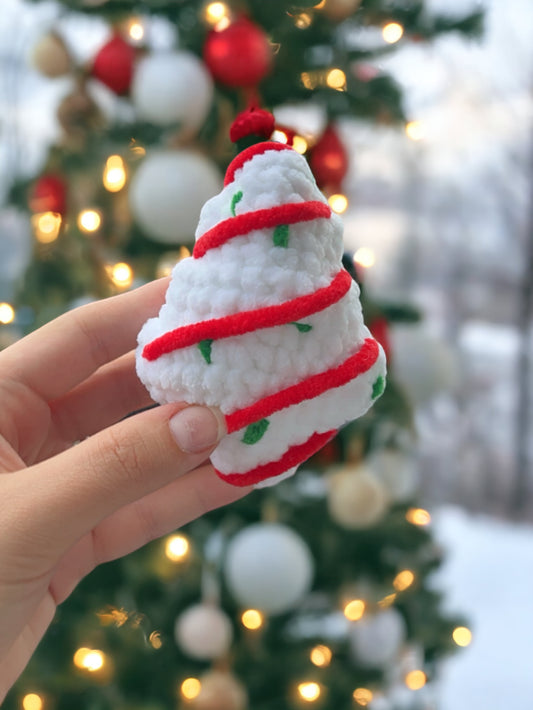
point(357, 499)
point(263, 321)
point(376, 639)
point(50, 56)
point(204, 631)
point(172, 88)
point(219, 690)
point(269, 567)
point(168, 191)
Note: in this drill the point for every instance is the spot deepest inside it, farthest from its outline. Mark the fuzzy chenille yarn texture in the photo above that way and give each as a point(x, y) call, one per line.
point(263, 321)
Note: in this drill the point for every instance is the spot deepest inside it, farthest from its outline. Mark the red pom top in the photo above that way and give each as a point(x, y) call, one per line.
point(253, 121)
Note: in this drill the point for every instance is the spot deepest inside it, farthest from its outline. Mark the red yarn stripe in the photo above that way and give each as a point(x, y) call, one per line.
point(292, 457)
point(259, 219)
point(248, 154)
point(247, 321)
point(313, 386)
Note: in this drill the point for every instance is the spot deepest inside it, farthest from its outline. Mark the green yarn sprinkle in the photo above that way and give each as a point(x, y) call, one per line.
point(281, 236)
point(237, 197)
point(303, 327)
point(378, 387)
point(204, 346)
point(254, 432)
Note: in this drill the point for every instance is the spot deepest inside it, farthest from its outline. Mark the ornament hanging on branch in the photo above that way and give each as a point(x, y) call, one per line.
point(329, 161)
point(356, 498)
point(376, 639)
point(240, 55)
point(172, 88)
point(204, 631)
point(219, 690)
point(49, 194)
point(78, 115)
point(50, 56)
point(168, 191)
point(114, 65)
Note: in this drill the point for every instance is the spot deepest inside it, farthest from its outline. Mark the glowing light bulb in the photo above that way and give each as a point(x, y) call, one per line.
point(363, 696)
point(320, 656)
point(338, 203)
point(354, 609)
point(365, 257)
point(299, 144)
point(89, 221)
point(415, 130)
point(32, 701)
point(415, 680)
point(121, 274)
point(217, 14)
point(392, 32)
point(177, 548)
point(89, 659)
point(303, 21)
point(114, 177)
point(7, 313)
point(309, 691)
point(387, 601)
point(462, 636)
point(403, 580)
point(336, 79)
point(46, 226)
point(190, 688)
point(136, 30)
point(418, 516)
point(252, 619)
point(280, 136)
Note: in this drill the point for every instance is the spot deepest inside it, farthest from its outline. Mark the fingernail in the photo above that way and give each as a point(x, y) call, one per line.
point(196, 429)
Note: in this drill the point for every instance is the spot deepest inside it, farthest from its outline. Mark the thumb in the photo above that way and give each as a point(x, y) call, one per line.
point(73, 491)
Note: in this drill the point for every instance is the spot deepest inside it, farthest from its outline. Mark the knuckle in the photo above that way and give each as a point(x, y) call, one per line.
point(125, 455)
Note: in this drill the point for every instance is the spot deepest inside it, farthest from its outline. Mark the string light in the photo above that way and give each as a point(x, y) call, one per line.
point(321, 656)
point(338, 203)
point(136, 30)
point(46, 226)
point(7, 313)
point(89, 659)
point(32, 701)
point(177, 548)
point(387, 601)
point(354, 609)
point(303, 21)
point(365, 257)
point(252, 619)
point(89, 221)
point(415, 680)
point(403, 580)
point(114, 177)
point(415, 130)
point(121, 274)
point(392, 32)
point(280, 136)
point(336, 79)
point(462, 636)
point(190, 688)
point(300, 144)
point(363, 696)
point(309, 691)
point(217, 14)
point(418, 516)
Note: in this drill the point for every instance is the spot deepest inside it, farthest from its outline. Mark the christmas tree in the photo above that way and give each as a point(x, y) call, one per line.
point(313, 593)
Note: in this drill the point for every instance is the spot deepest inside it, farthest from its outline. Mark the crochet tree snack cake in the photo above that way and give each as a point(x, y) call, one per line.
point(263, 321)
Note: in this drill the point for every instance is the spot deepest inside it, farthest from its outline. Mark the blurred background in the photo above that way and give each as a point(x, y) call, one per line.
point(393, 571)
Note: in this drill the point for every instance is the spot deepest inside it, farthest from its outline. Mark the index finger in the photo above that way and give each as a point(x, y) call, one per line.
point(63, 353)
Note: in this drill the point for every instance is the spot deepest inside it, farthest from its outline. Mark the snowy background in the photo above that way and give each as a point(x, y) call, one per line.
point(448, 219)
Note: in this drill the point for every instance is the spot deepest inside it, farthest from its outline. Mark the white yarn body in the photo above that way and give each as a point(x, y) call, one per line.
point(248, 273)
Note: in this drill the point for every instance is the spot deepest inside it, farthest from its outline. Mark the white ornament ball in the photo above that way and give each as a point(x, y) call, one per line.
point(50, 56)
point(356, 498)
point(168, 191)
point(424, 364)
point(268, 567)
point(204, 632)
point(398, 472)
point(376, 639)
point(172, 87)
point(219, 690)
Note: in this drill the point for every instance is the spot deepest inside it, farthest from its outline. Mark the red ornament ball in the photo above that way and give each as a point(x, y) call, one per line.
point(379, 327)
point(239, 55)
point(113, 65)
point(49, 194)
point(329, 160)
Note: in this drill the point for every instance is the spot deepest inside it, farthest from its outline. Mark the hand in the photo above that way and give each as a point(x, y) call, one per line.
point(66, 508)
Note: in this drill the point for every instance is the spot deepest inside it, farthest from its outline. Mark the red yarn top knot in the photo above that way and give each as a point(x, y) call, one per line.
point(252, 122)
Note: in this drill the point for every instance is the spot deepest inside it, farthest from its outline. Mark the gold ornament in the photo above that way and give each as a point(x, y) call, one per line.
point(78, 115)
point(51, 57)
point(219, 690)
point(339, 10)
point(356, 498)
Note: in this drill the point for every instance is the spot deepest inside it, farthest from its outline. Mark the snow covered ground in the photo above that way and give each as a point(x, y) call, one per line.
point(488, 576)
